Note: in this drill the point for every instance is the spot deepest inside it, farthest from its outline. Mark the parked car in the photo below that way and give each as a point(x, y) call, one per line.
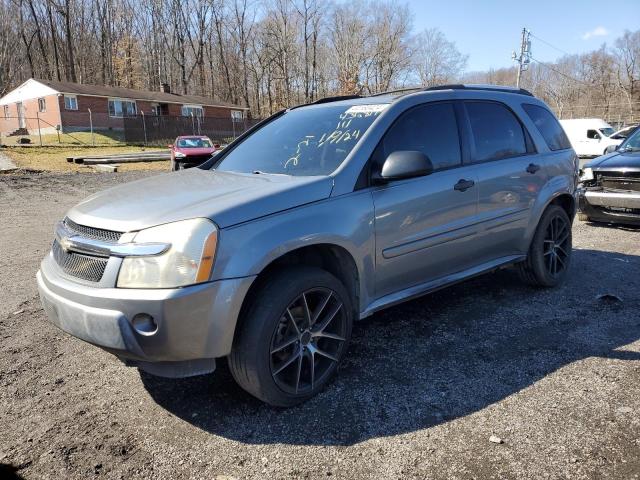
point(624, 132)
point(191, 151)
point(319, 216)
point(610, 188)
point(590, 137)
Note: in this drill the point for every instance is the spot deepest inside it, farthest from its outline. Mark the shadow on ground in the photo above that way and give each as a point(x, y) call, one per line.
point(434, 359)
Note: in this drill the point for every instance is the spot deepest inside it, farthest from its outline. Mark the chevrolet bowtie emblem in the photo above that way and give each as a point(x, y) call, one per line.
point(65, 243)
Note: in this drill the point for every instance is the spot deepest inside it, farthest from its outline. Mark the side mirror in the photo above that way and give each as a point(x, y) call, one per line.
point(170, 145)
point(404, 164)
point(611, 149)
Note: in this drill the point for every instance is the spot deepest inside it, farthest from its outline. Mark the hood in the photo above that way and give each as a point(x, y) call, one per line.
point(227, 198)
point(616, 161)
point(195, 151)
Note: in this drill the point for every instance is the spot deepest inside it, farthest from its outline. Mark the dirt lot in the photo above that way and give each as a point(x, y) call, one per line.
point(554, 373)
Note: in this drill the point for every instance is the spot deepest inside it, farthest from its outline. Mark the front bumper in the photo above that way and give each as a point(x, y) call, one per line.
point(612, 207)
point(195, 324)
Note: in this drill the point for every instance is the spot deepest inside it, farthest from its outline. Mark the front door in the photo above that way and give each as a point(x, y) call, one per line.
point(20, 108)
point(424, 226)
point(593, 143)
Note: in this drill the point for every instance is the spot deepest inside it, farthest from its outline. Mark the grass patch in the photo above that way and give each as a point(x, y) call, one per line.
point(55, 159)
point(104, 137)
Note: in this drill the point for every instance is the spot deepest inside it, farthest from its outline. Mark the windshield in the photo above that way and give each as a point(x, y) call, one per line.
point(607, 132)
point(302, 142)
point(194, 143)
point(632, 143)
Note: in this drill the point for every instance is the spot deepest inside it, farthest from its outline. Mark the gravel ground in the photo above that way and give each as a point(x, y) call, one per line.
point(555, 374)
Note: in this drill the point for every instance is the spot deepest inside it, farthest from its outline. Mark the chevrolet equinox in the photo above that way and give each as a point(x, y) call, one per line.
point(318, 216)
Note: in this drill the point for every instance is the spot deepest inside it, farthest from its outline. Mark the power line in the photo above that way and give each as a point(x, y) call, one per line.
point(548, 44)
point(560, 73)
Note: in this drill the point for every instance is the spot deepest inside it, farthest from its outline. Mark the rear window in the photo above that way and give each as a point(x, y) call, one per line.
point(194, 143)
point(548, 127)
point(497, 133)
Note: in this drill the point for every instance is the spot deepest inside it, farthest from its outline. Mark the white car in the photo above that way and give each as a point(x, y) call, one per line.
point(589, 137)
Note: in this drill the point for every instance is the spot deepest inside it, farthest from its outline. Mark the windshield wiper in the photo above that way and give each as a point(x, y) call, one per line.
point(260, 172)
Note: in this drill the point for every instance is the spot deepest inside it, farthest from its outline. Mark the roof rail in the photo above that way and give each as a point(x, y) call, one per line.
point(490, 88)
point(335, 98)
point(397, 90)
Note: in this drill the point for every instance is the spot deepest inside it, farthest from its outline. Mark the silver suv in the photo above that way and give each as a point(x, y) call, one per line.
point(320, 215)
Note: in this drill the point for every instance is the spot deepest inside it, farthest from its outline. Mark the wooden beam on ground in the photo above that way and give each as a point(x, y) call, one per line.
point(105, 168)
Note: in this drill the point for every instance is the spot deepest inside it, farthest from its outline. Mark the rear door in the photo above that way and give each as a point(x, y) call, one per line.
point(510, 176)
point(425, 226)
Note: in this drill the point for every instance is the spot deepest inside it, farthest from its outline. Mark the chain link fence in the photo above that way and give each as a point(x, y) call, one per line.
point(616, 115)
point(75, 128)
point(162, 130)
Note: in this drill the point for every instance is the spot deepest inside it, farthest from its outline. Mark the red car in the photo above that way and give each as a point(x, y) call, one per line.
point(190, 151)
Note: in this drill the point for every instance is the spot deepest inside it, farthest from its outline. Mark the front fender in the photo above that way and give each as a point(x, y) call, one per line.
point(346, 221)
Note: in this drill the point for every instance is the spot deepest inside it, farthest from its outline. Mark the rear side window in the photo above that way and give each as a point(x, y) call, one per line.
point(497, 132)
point(431, 129)
point(548, 126)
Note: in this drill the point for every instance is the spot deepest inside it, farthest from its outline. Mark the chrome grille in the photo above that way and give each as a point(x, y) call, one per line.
point(93, 233)
point(79, 265)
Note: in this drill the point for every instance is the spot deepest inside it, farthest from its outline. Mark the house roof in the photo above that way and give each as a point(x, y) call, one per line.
point(121, 92)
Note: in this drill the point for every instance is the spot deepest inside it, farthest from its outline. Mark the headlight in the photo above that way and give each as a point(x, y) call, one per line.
point(179, 155)
point(189, 260)
point(587, 174)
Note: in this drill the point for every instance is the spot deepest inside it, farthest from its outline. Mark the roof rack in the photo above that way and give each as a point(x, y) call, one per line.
point(336, 98)
point(490, 88)
point(397, 90)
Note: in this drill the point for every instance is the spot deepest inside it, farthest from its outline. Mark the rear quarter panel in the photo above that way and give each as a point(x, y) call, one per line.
point(561, 168)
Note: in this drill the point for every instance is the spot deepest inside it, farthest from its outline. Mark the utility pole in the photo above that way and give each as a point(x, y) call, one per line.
point(524, 58)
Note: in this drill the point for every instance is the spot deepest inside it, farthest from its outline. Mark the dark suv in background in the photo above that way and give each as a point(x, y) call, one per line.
point(319, 216)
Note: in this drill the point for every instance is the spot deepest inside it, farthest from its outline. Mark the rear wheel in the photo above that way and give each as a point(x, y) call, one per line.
point(549, 255)
point(292, 337)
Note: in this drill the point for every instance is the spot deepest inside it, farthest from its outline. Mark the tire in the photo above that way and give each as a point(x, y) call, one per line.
point(583, 217)
point(274, 348)
point(549, 256)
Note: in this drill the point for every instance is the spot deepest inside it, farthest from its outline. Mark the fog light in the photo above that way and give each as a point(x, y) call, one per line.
point(144, 324)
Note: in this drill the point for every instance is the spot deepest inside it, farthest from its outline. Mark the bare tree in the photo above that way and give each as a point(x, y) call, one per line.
point(437, 59)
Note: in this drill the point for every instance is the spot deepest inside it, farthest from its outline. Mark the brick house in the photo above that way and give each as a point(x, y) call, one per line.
point(67, 106)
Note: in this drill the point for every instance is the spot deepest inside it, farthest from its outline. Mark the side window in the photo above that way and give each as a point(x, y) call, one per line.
point(548, 126)
point(497, 133)
point(593, 134)
point(431, 129)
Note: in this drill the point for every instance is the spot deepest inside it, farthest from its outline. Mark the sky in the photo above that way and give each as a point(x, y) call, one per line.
point(488, 31)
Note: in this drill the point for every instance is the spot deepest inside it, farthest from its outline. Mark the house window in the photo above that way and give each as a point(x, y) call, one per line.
point(70, 102)
point(121, 108)
point(6, 111)
point(237, 115)
point(42, 105)
point(195, 110)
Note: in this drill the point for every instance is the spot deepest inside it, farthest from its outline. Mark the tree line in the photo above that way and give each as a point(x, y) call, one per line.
point(270, 54)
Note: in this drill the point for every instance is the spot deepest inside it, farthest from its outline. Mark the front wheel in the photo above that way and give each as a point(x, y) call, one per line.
point(549, 255)
point(292, 336)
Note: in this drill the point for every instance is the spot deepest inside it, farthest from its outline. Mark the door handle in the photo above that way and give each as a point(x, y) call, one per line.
point(533, 168)
point(463, 185)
